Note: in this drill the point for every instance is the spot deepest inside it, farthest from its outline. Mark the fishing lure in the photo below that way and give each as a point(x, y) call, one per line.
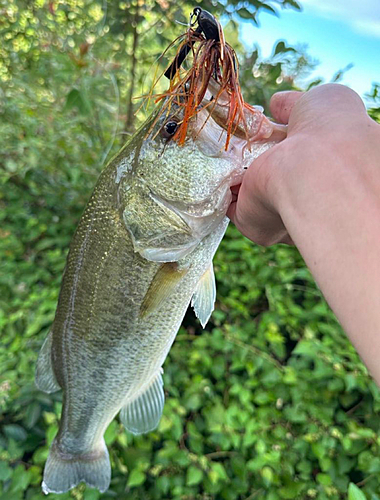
point(213, 61)
point(207, 24)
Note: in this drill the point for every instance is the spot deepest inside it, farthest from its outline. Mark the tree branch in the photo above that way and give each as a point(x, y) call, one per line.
point(130, 116)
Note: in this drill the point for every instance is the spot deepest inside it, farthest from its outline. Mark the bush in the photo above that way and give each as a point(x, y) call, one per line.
point(269, 402)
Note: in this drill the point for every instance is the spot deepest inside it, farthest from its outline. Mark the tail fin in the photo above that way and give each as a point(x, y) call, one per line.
point(64, 471)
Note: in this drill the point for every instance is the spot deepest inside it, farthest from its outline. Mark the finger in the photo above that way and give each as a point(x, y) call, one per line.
point(281, 104)
point(323, 106)
point(231, 211)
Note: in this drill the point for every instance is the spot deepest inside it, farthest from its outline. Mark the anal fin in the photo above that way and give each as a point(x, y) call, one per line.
point(203, 300)
point(45, 378)
point(143, 414)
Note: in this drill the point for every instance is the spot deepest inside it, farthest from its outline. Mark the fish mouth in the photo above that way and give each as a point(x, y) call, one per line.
point(240, 142)
point(253, 126)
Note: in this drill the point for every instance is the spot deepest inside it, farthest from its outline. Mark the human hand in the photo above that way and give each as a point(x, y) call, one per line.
point(319, 124)
point(320, 188)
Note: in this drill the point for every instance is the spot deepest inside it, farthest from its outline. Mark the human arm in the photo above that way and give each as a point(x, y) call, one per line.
point(320, 188)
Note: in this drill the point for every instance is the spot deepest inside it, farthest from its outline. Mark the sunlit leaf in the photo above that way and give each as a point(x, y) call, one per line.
point(355, 493)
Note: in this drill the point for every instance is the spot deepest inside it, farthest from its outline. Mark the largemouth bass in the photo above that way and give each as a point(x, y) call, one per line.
point(141, 254)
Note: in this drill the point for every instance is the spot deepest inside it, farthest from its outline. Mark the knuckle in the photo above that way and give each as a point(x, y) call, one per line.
point(338, 93)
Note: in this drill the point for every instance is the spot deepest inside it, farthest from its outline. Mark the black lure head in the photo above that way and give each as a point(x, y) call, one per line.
point(207, 24)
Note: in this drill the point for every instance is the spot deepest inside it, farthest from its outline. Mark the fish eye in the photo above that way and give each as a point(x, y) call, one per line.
point(169, 129)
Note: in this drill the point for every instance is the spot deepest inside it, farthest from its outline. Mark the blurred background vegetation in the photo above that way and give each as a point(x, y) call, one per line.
point(270, 401)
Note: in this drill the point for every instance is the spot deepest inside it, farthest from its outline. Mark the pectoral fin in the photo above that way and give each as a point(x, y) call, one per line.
point(143, 414)
point(163, 285)
point(204, 296)
point(45, 378)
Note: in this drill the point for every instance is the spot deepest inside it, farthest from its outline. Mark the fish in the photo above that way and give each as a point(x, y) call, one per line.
point(141, 254)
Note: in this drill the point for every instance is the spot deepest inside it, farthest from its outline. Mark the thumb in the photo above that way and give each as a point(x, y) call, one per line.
point(281, 104)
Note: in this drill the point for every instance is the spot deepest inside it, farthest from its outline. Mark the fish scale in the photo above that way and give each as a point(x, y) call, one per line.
point(142, 251)
point(151, 338)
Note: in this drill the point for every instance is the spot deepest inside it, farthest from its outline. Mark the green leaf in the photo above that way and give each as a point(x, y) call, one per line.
point(12, 495)
point(219, 471)
point(5, 471)
point(15, 432)
point(20, 478)
point(293, 4)
point(269, 9)
point(111, 432)
point(267, 474)
point(91, 494)
point(354, 493)
point(246, 14)
point(32, 415)
point(194, 475)
point(281, 48)
point(324, 479)
point(136, 477)
point(76, 99)
point(163, 484)
point(51, 433)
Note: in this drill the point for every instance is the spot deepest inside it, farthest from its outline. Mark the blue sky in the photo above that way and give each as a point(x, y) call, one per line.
point(337, 33)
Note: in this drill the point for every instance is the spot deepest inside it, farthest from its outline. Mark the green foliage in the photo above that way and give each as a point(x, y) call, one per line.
point(270, 401)
point(374, 100)
point(286, 68)
point(354, 493)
